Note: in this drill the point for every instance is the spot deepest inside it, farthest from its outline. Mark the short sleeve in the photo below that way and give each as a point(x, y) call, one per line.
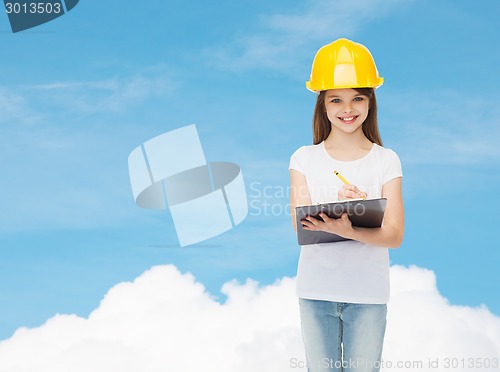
point(392, 166)
point(297, 160)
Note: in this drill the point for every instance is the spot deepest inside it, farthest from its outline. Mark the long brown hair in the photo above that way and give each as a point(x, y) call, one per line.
point(322, 126)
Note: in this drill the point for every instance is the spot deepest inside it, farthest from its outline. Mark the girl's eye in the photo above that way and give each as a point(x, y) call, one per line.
point(335, 100)
point(358, 99)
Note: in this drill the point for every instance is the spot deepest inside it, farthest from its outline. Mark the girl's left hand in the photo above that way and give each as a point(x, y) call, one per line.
point(339, 226)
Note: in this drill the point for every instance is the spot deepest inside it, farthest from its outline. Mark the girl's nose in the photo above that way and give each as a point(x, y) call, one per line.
point(347, 109)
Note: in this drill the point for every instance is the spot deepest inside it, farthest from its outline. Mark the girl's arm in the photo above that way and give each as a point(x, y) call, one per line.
point(299, 193)
point(391, 233)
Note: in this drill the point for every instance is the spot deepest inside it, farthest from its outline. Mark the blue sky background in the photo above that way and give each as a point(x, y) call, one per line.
point(78, 94)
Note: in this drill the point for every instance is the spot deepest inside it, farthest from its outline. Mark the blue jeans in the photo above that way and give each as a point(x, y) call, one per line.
point(342, 336)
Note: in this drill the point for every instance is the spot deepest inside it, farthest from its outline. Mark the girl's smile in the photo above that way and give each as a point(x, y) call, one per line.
point(348, 119)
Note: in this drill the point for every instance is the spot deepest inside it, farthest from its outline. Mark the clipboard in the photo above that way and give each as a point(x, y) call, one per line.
point(362, 213)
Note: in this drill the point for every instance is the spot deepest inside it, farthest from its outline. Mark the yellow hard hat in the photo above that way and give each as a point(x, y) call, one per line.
point(343, 64)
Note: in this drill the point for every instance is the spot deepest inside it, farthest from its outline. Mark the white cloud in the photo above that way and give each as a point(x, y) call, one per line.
point(166, 321)
point(14, 107)
point(109, 95)
point(443, 127)
point(279, 38)
point(424, 326)
point(163, 321)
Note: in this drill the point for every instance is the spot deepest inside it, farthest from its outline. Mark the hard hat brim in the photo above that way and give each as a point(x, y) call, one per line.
point(317, 89)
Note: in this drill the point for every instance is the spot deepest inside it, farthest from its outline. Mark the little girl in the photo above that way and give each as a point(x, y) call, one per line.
point(343, 287)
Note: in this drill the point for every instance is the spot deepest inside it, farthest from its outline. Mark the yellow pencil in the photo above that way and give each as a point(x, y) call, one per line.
point(341, 178)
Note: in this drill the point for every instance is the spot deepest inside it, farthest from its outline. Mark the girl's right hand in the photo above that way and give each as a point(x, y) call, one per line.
point(351, 192)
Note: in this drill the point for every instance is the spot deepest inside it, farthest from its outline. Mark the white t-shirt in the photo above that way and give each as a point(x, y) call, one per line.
point(347, 271)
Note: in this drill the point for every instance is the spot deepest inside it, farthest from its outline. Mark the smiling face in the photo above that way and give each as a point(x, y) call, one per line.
point(346, 109)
